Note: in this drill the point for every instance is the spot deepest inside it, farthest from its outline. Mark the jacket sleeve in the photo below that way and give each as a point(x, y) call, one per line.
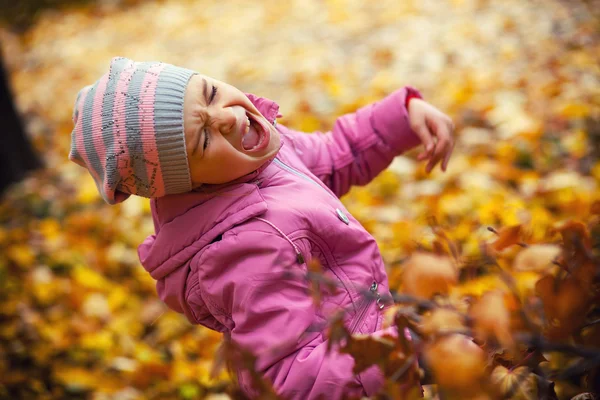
point(360, 145)
point(255, 278)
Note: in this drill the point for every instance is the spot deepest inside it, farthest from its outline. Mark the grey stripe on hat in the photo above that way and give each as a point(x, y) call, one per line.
point(133, 129)
point(86, 126)
point(108, 121)
point(75, 115)
point(168, 124)
point(74, 154)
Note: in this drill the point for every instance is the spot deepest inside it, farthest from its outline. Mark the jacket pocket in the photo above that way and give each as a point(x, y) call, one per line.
point(363, 306)
point(321, 251)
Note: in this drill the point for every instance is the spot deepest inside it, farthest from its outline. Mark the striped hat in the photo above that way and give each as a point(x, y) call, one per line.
point(129, 130)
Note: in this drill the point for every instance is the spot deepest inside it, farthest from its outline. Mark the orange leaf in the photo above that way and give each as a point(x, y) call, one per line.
point(565, 305)
point(442, 320)
point(575, 233)
point(492, 319)
point(595, 207)
point(507, 236)
point(456, 363)
point(368, 350)
point(427, 274)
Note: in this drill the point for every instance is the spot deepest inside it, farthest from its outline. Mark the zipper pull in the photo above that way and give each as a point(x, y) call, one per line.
point(373, 289)
point(299, 258)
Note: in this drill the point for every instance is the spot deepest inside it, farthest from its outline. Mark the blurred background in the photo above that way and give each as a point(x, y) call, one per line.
point(79, 316)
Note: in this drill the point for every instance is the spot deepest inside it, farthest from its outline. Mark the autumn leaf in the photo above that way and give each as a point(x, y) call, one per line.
point(519, 383)
point(456, 363)
point(576, 236)
point(565, 303)
point(537, 258)
point(426, 274)
point(442, 321)
point(491, 319)
point(368, 350)
point(507, 236)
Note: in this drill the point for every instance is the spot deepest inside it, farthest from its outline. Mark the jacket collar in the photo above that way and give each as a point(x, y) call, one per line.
point(185, 223)
point(188, 222)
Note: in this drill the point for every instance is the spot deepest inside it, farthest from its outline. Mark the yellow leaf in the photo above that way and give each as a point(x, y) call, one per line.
point(50, 228)
point(519, 383)
point(575, 110)
point(525, 282)
point(478, 286)
point(118, 297)
point(87, 190)
point(22, 255)
point(102, 341)
point(90, 279)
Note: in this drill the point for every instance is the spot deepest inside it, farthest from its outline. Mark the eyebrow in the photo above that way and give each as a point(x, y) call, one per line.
point(205, 84)
point(199, 132)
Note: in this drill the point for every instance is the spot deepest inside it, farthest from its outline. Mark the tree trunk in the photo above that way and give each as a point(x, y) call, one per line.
point(17, 157)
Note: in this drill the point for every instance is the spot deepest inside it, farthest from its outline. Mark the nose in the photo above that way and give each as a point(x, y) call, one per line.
point(224, 120)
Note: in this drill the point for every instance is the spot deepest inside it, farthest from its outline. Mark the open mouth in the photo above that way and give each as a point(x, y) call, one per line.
point(255, 136)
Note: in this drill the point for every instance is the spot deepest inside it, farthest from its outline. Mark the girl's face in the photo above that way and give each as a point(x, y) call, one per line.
point(226, 136)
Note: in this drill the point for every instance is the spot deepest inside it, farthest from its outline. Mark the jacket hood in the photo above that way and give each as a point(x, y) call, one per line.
point(186, 223)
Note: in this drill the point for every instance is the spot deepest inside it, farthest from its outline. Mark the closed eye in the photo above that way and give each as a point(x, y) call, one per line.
point(206, 141)
point(213, 94)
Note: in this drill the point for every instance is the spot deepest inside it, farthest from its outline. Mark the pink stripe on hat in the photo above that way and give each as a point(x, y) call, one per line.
point(154, 170)
point(122, 163)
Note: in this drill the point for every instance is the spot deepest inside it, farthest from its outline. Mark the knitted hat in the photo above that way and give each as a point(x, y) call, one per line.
point(129, 130)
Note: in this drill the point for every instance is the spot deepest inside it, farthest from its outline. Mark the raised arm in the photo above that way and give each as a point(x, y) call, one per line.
point(360, 145)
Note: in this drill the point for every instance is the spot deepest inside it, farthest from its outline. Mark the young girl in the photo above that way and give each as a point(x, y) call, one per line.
point(241, 205)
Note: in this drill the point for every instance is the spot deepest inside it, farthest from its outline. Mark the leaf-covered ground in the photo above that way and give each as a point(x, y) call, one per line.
point(79, 317)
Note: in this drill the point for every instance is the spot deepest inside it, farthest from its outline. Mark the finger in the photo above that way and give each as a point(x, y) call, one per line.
point(432, 163)
point(447, 158)
point(426, 138)
point(424, 155)
point(451, 128)
point(441, 146)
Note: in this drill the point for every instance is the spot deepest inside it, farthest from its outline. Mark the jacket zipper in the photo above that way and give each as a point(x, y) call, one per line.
point(365, 301)
point(301, 175)
point(363, 307)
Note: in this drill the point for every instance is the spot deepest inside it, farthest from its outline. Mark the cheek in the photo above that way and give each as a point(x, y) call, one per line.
point(228, 167)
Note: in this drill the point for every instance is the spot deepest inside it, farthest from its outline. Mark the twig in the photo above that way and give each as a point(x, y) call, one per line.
point(396, 375)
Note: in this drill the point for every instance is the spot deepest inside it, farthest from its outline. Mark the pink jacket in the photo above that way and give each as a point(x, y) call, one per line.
point(234, 258)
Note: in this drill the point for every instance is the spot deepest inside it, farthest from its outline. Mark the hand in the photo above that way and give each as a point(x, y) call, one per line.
point(429, 122)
